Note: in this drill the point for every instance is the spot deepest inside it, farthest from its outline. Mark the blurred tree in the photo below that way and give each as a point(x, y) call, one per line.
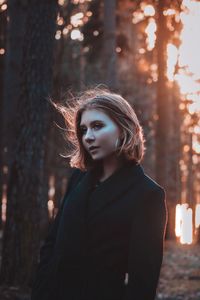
point(93, 32)
point(162, 97)
point(174, 155)
point(168, 118)
point(56, 166)
point(110, 44)
point(3, 38)
point(27, 186)
point(13, 61)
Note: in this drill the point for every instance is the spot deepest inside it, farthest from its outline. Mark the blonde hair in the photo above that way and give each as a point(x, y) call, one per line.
point(117, 108)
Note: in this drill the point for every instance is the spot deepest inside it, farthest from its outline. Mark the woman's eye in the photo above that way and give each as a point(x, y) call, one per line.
point(97, 126)
point(82, 130)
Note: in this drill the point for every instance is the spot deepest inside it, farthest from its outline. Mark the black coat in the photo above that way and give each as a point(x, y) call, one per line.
point(105, 243)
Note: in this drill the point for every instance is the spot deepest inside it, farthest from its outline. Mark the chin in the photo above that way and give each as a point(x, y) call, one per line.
point(96, 158)
point(100, 157)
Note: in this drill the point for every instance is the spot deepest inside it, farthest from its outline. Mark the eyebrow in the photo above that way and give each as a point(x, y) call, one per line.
point(95, 121)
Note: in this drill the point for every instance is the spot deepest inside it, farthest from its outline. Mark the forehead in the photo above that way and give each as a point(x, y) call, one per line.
point(92, 115)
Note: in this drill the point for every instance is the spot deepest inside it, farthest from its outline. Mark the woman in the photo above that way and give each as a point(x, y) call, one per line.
point(106, 242)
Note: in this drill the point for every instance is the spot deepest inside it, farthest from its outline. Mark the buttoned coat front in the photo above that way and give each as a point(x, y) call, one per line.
point(105, 243)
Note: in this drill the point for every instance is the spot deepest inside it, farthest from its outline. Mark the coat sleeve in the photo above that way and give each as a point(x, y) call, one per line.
point(146, 247)
point(47, 248)
point(46, 251)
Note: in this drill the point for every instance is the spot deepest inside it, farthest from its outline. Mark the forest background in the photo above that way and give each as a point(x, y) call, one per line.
point(148, 51)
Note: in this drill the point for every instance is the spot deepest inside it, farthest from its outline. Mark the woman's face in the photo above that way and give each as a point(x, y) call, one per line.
point(99, 130)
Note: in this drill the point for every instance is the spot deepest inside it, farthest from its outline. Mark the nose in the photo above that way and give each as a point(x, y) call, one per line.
point(89, 135)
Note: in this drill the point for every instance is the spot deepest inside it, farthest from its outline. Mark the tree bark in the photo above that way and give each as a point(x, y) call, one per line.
point(110, 55)
point(3, 35)
point(16, 13)
point(162, 99)
point(174, 156)
point(27, 186)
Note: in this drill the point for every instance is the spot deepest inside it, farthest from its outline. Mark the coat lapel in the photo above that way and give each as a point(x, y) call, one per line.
point(114, 187)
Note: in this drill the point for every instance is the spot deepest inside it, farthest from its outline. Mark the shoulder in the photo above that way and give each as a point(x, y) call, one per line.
point(152, 193)
point(151, 186)
point(76, 172)
point(155, 195)
point(75, 176)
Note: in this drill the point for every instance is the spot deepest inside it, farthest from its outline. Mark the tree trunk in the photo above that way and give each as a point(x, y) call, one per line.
point(174, 151)
point(162, 99)
point(162, 125)
point(110, 55)
point(3, 27)
point(13, 57)
point(27, 186)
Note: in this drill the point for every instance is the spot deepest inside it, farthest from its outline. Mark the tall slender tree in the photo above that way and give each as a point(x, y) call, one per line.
point(168, 144)
point(110, 55)
point(27, 192)
point(3, 36)
point(16, 14)
point(162, 97)
point(174, 156)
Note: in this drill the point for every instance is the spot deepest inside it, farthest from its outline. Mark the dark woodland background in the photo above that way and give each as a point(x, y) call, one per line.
point(50, 47)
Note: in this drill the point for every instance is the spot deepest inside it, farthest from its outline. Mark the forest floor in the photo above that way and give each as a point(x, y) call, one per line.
point(179, 277)
point(180, 272)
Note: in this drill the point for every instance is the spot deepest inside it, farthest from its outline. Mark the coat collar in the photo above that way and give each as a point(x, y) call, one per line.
point(107, 192)
point(71, 231)
point(114, 187)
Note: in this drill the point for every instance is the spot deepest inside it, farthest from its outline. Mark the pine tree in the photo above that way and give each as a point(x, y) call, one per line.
point(27, 192)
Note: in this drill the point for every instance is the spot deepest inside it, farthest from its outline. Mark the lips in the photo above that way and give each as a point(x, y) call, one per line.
point(93, 148)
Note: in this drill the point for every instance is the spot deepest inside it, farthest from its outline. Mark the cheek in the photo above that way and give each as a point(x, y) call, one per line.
point(84, 142)
point(108, 135)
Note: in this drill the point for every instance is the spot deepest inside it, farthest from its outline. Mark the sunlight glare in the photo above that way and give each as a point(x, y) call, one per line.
point(172, 57)
point(137, 17)
point(61, 2)
point(50, 205)
point(58, 34)
point(76, 20)
point(151, 36)
point(183, 223)
point(178, 220)
point(4, 7)
point(76, 35)
point(169, 12)
point(188, 76)
point(149, 10)
point(2, 51)
point(196, 145)
point(197, 215)
point(187, 84)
